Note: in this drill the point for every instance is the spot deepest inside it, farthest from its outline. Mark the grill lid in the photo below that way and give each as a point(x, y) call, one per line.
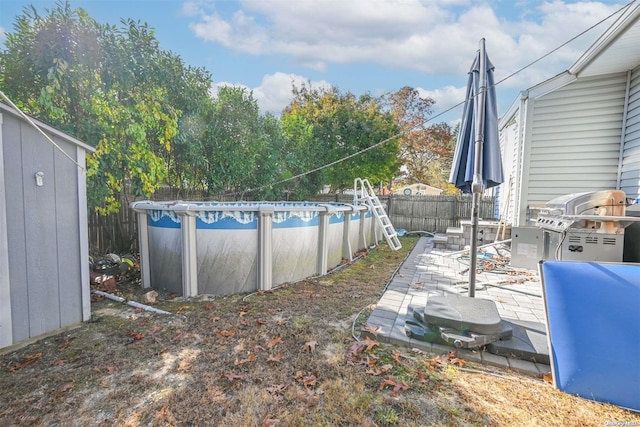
point(602, 211)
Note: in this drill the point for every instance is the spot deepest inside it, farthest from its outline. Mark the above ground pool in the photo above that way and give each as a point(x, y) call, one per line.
point(193, 248)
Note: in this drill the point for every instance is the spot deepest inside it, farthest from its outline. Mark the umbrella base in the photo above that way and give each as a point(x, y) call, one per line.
point(462, 321)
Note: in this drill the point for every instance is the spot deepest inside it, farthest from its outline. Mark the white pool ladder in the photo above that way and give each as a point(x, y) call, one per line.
point(363, 193)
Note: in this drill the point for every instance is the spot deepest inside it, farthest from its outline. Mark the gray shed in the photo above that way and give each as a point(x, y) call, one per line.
point(44, 249)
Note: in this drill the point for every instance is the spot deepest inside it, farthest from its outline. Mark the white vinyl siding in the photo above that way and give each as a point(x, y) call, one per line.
point(630, 178)
point(509, 143)
point(575, 138)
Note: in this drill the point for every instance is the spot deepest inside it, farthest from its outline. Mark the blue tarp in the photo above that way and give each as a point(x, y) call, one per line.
point(593, 328)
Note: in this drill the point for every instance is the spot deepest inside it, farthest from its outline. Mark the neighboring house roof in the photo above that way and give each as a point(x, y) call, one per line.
point(419, 188)
point(6, 109)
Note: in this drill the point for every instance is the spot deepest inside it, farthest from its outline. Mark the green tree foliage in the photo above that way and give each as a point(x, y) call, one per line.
point(232, 141)
point(325, 126)
point(104, 85)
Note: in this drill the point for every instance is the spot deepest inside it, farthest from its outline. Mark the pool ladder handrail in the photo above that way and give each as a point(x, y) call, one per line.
point(363, 192)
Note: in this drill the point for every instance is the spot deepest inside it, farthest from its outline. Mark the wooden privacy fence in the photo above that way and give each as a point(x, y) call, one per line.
point(425, 213)
point(118, 232)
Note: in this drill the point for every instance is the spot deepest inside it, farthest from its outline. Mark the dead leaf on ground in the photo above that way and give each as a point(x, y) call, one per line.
point(28, 360)
point(135, 336)
point(155, 329)
point(308, 379)
point(547, 378)
point(310, 346)
point(370, 361)
point(270, 422)
point(441, 360)
point(227, 334)
point(274, 357)
point(309, 397)
point(277, 390)
point(62, 390)
point(396, 356)
point(179, 336)
point(376, 371)
point(355, 350)
point(458, 361)
point(232, 377)
point(243, 313)
point(370, 343)
point(250, 358)
point(274, 341)
point(397, 386)
point(372, 329)
point(67, 343)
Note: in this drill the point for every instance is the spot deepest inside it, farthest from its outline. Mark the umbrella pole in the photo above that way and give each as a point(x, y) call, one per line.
point(477, 188)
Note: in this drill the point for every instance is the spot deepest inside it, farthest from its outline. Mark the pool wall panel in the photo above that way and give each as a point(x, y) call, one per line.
point(227, 261)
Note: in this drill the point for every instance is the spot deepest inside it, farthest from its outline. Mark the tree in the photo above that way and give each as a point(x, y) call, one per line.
point(326, 126)
point(232, 141)
point(106, 86)
point(425, 151)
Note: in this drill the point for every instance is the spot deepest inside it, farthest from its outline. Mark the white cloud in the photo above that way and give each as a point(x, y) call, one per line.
point(446, 97)
point(275, 90)
point(433, 37)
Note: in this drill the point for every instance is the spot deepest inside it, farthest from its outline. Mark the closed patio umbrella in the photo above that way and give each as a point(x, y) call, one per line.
point(477, 164)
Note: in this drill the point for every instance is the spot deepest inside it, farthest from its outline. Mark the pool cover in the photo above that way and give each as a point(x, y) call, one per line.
point(593, 328)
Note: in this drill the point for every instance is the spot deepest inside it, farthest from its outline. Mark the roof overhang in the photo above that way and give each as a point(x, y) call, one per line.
point(617, 50)
point(4, 108)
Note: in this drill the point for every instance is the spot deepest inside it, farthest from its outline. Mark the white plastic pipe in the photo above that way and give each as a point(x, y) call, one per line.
point(131, 303)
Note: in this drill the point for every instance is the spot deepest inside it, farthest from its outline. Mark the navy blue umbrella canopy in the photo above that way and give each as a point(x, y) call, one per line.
point(477, 164)
point(464, 161)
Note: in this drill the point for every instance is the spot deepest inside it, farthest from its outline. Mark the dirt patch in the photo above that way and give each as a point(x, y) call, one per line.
point(285, 357)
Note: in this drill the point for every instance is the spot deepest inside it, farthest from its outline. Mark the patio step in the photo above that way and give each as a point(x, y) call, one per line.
point(440, 240)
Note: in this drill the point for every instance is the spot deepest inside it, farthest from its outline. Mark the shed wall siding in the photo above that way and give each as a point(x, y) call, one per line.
point(630, 177)
point(43, 232)
point(575, 138)
point(6, 328)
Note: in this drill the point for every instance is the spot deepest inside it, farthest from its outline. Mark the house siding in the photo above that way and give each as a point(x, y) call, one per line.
point(630, 176)
point(509, 143)
point(575, 138)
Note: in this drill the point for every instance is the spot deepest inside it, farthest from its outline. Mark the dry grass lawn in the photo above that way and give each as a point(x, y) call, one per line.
point(281, 358)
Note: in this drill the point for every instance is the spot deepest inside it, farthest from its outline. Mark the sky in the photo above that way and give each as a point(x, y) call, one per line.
point(360, 46)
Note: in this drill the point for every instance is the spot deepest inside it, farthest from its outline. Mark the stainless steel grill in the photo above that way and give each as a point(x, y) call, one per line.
point(585, 226)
